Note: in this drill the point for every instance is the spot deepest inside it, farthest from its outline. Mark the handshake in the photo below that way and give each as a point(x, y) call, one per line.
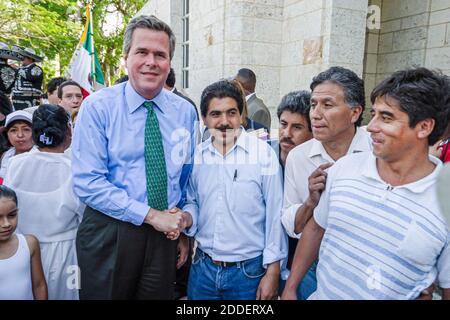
point(172, 222)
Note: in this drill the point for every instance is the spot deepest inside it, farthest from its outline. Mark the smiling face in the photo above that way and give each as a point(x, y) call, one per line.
point(20, 136)
point(392, 136)
point(148, 61)
point(331, 117)
point(293, 131)
point(223, 120)
point(8, 218)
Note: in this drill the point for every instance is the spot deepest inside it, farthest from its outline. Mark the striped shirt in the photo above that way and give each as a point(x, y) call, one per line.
point(381, 242)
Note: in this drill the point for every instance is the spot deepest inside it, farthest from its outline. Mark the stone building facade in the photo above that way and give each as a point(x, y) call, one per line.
point(287, 42)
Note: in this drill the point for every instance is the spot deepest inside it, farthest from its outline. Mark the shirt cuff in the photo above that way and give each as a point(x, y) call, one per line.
point(136, 213)
point(288, 220)
point(192, 210)
point(272, 254)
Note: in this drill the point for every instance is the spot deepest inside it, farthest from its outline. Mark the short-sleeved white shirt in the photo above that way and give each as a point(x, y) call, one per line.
point(381, 242)
point(300, 164)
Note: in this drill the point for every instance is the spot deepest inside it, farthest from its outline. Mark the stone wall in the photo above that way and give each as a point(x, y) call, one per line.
point(413, 33)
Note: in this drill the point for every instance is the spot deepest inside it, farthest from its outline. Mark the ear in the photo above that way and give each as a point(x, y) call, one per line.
point(424, 128)
point(355, 113)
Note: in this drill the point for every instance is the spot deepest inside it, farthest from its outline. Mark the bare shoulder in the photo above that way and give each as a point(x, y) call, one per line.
point(33, 242)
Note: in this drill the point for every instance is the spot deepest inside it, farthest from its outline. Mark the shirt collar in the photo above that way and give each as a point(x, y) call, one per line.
point(250, 96)
point(134, 100)
point(242, 142)
point(371, 172)
point(360, 143)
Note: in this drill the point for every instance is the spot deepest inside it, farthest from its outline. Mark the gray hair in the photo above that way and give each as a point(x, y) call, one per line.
point(147, 22)
point(351, 84)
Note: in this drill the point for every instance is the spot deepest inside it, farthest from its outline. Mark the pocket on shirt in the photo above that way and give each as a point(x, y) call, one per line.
point(419, 247)
point(246, 193)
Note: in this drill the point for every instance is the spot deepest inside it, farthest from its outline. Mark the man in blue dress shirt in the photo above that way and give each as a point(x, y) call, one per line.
point(233, 206)
point(132, 151)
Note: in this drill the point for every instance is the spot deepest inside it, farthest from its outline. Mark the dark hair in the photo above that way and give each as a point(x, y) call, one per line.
point(170, 82)
point(221, 89)
point(422, 94)
point(147, 22)
point(351, 84)
point(296, 102)
point(65, 84)
point(122, 79)
point(8, 193)
point(54, 83)
point(247, 78)
point(50, 125)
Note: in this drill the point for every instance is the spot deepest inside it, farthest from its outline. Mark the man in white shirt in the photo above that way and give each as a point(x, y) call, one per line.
point(233, 206)
point(378, 224)
point(337, 104)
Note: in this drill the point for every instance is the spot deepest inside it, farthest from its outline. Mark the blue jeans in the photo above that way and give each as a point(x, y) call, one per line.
point(308, 284)
point(208, 281)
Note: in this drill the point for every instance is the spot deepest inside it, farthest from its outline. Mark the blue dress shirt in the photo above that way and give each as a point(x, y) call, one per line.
point(235, 201)
point(108, 150)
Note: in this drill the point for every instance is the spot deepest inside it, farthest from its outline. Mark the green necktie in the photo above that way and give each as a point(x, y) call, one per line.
point(155, 163)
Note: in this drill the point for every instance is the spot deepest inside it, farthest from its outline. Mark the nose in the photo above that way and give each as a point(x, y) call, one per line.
point(315, 113)
point(150, 59)
point(372, 126)
point(286, 132)
point(4, 223)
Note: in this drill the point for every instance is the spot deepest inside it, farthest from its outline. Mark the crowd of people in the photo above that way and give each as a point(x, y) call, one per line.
point(138, 201)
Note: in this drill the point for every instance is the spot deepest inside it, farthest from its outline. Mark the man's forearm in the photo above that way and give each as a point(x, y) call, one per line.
point(302, 216)
point(306, 253)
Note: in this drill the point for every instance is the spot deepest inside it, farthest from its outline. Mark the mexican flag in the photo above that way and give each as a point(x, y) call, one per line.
point(84, 66)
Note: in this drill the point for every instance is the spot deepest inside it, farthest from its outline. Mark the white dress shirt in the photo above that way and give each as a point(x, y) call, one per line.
point(235, 202)
point(300, 164)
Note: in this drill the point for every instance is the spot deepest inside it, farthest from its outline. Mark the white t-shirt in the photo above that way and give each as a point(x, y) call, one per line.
point(381, 242)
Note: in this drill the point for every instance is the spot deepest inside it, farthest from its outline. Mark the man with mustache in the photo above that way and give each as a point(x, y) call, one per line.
point(233, 207)
point(294, 129)
point(337, 104)
point(132, 154)
point(378, 225)
point(294, 126)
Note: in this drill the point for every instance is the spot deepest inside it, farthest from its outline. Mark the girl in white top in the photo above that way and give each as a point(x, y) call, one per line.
point(49, 209)
point(21, 275)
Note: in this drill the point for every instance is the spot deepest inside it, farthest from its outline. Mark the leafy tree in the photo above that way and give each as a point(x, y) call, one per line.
point(53, 29)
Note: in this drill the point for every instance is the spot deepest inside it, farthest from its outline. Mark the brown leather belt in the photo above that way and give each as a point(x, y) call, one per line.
point(221, 263)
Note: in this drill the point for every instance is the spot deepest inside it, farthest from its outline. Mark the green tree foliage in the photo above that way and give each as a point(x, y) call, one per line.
point(53, 28)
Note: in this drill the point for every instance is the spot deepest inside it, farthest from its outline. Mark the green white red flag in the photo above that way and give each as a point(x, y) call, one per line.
point(84, 67)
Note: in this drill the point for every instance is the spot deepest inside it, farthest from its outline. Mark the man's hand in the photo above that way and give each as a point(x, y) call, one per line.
point(164, 221)
point(427, 294)
point(316, 184)
point(183, 250)
point(268, 286)
point(186, 222)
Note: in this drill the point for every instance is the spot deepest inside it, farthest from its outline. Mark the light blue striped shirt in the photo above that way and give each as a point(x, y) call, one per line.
point(381, 242)
point(235, 201)
point(108, 150)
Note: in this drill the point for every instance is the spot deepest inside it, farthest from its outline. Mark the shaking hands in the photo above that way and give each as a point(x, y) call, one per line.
point(172, 222)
